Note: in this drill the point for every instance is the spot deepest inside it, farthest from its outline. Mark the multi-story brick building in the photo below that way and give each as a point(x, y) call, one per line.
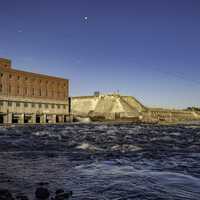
point(31, 98)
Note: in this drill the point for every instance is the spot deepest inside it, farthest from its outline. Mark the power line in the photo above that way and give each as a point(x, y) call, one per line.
point(177, 75)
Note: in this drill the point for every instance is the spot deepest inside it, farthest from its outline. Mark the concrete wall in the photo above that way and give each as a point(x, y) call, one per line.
point(112, 107)
point(169, 115)
point(26, 110)
point(106, 106)
point(83, 105)
point(133, 102)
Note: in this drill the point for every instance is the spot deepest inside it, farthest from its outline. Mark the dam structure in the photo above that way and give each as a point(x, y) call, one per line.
point(27, 97)
point(30, 98)
point(116, 107)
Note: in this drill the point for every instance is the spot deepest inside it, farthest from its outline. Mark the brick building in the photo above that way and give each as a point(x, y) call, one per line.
point(31, 98)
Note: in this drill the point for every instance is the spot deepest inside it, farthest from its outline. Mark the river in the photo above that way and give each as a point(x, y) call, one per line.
point(103, 161)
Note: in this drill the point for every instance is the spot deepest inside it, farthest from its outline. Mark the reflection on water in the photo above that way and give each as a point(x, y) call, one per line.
point(98, 161)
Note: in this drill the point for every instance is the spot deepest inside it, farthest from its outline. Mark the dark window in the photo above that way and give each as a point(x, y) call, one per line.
point(1, 87)
point(33, 92)
point(64, 106)
point(40, 105)
point(58, 106)
point(33, 105)
point(9, 103)
point(52, 106)
point(1, 103)
point(25, 105)
point(1, 74)
point(17, 89)
point(45, 92)
point(10, 76)
point(40, 92)
point(18, 104)
point(9, 88)
point(46, 106)
point(25, 91)
point(18, 77)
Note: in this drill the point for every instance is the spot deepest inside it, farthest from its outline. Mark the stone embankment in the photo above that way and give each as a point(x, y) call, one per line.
point(115, 107)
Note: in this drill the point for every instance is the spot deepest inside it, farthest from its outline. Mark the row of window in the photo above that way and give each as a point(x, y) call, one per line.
point(33, 79)
point(34, 92)
point(34, 105)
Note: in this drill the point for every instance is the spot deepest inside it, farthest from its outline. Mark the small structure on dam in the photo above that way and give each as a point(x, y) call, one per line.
point(116, 107)
point(31, 98)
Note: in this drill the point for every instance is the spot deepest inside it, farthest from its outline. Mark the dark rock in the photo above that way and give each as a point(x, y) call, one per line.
point(59, 191)
point(61, 195)
point(42, 193)
point(43, 183)
point(5, 195)
point(21, 197)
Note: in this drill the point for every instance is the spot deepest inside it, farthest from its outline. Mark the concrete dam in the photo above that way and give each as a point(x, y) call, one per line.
point(115, 107)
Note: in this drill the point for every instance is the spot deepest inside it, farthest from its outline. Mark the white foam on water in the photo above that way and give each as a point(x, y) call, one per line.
point(126, 148)
point(87, 146)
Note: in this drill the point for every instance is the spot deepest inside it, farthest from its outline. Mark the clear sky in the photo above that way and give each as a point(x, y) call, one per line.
point(146, 48)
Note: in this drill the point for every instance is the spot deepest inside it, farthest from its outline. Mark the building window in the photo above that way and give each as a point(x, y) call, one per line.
point(33, 92)
point(64, 106)
point(58, 106)
point(25, 105)
point(9, 88)
point(18, 77)
point(10, 76)
point(40, 105)
point(46, 92)
point(40, 92)
point(33, 105)
point(17, 89)
point(1, 74)
point(25, 91)
point(17, 104)
point(9, 103)
point(1, 87)
point(1, 103)
point(52, 106)
point(46, 106)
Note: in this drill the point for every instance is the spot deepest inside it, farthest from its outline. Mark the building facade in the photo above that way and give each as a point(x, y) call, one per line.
point(27, 97)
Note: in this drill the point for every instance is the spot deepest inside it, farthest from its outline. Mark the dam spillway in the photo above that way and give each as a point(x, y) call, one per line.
point(126, 108)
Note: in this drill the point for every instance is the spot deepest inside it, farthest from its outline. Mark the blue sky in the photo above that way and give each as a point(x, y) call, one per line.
point(146, 48)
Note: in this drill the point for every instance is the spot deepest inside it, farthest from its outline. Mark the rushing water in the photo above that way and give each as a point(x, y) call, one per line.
point(103, 161)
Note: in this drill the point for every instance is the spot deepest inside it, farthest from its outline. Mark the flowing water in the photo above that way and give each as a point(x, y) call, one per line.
point(103, 161)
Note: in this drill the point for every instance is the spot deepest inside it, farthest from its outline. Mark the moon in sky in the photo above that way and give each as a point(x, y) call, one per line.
point(85, 18)
point(19, 31)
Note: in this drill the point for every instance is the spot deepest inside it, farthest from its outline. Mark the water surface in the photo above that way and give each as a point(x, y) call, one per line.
point(103, 161)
